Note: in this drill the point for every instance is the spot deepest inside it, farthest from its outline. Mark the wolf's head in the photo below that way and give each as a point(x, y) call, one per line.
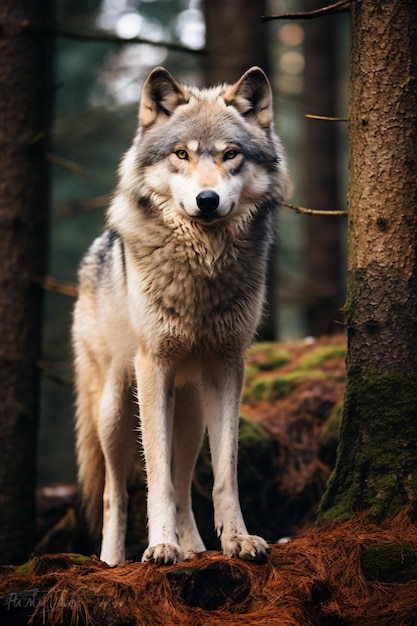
point(205, 155)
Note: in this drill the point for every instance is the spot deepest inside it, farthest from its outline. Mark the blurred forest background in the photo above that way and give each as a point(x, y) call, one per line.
point(97, 88)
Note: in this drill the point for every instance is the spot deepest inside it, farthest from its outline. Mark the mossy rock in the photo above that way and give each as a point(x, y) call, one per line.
point(267, 356)
point(271, 388)
point(317, 357)
point(46, 563)
point(390, 563)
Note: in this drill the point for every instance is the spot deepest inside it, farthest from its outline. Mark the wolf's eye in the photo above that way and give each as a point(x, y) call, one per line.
point(230, 154)
point(182, 154)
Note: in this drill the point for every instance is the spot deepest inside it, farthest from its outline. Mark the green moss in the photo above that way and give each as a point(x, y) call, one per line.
point(330, 436)
point(77, 559)
point(265, 357)
point(389, 563)
point(251, 371)
point(323, 353)
point(25, 568)
point(376, 469)
point(51, 561)
point(272, 388)
point(273, 355)
point(254, 464)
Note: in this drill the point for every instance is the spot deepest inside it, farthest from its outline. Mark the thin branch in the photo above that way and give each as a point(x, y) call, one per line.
point(96, 36)
point(52, 284)
point(304, 211)
point(67, 164)
point(325, 118)
point(337, 7)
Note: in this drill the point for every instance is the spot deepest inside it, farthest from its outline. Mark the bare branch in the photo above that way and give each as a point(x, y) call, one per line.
point(337, 7)
point(67, 164)
point(96, 36)
point(304, 211)
point(325, 118)
point(52, 284)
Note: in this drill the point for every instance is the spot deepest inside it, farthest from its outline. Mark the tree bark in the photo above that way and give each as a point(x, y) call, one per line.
point(322, 238)
point(24, 115)
point(376, 468)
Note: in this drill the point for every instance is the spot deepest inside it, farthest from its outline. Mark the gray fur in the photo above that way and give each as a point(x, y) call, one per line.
point(170, 297)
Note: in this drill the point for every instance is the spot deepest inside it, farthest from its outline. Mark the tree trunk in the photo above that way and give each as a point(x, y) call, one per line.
point(376, 468)
point(323, 240)
point(23, 236)
point(236, 39)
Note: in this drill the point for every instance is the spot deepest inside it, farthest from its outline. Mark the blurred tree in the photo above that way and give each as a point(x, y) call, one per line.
point(323, 235)
point(235, 39)
point(24, 123)
point(376, 468)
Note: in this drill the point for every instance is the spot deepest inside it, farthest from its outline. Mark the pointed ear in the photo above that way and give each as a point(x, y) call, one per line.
point(161, 94)
point(252, 97)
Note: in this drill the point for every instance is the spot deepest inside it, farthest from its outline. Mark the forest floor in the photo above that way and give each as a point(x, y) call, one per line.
point(350, 574)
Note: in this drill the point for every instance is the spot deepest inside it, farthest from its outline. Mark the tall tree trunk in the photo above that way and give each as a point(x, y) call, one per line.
point(236, 40)
point(322, 239)
point(25, 62)
point(376, 468)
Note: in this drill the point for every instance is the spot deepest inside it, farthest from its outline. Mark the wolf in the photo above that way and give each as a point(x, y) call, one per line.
point(170, 296)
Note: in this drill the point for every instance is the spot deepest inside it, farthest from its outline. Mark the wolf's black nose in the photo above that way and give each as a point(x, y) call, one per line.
point(207, 201)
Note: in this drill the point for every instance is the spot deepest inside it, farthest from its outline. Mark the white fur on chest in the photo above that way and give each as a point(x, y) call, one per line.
point(193, 289)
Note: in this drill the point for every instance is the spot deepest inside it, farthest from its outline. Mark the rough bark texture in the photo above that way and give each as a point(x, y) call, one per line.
point(323, 240)
point(23, 227)
point(377, 463)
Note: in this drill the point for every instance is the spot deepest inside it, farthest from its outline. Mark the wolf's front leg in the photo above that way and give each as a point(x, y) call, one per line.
point(222, 393)
point(156, 408)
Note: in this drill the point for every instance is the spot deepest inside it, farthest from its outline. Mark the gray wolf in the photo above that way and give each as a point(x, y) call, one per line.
point(170, 298)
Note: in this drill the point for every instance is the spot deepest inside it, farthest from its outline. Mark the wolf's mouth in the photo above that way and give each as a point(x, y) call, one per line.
point(208, 219)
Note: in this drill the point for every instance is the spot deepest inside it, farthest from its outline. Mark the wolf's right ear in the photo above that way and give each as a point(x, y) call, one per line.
point(161, 94)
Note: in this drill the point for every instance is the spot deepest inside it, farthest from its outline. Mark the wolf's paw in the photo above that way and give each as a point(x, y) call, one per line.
point(163, 554)
point(247, 547)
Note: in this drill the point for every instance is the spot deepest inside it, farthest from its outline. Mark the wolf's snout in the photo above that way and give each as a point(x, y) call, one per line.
point(208, 201)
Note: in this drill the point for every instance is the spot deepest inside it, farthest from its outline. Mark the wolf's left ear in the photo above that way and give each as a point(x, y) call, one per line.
point(161, 94)
point(252, 97)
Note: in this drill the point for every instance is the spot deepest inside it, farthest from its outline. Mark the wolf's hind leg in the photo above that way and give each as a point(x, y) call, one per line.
point(187, 438)
point(116, 433)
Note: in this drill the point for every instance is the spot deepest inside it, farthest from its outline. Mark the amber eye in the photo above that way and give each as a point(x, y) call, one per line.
point(182, 154)
point(230, 154)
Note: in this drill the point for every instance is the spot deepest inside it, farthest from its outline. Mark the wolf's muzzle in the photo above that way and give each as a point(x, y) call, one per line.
point(207, 202)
